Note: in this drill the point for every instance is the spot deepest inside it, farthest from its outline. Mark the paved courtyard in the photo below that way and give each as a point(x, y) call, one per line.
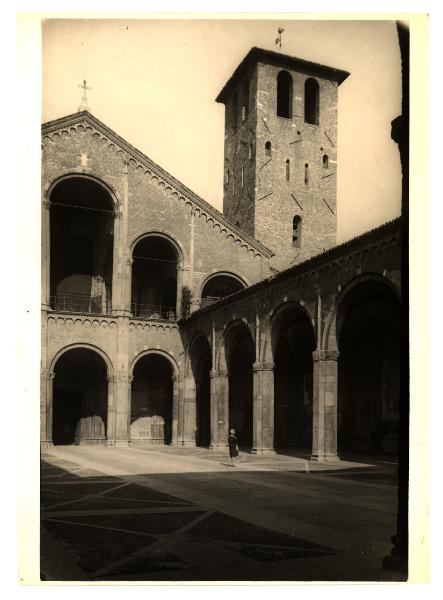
point(172, 514)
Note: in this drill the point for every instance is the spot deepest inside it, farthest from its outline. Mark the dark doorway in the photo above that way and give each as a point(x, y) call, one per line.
point(151, 401)
point(369, 329)
point(241, 356)
point(201, 363)
point(80, 398)
point(293, 340)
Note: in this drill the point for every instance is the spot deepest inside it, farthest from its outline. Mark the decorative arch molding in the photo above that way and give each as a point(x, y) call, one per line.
point(199, 334)
point(270, 325)
point(216, 273)
point(329, 335)
point(86, 346)
point(158, 352)
point(69, 174)
point(166, 235)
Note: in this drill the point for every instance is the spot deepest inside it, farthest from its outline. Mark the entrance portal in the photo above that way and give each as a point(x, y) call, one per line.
point(151, 401)
point(80, 398)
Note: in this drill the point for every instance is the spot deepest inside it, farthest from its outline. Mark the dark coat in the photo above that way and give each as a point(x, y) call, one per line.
point(232, 442)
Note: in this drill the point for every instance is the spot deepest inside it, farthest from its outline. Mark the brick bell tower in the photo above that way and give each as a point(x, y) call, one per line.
point(280, 159)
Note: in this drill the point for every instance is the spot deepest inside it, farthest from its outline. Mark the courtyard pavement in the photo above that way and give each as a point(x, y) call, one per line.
point(177, 514)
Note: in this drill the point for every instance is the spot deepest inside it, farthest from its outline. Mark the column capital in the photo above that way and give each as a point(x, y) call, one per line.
point(46, 204)
point(125, 378)
point(222, 372)
point(129, 261)
point(325, 355)
point(118, 213)
point(180, 266)
point(264, 366)
point(47, 374)
point(112, 378)
point(213, 373)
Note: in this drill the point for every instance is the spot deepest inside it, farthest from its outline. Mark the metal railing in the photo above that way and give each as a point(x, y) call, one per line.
point(83, 303)
point(153, 311)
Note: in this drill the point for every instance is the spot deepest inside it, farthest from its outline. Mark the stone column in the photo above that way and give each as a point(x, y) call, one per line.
point(324, 427)
point(178, 304)
point(111, 422)
point(219, 409)
point(117, 280)
point(189, 412)
point(263, 408)
point(46, 256)
point(175, 410)
point(46, 407)
point(122, 409)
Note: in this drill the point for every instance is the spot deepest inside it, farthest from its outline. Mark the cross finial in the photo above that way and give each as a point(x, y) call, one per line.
point(278, 38)
point(84, 104)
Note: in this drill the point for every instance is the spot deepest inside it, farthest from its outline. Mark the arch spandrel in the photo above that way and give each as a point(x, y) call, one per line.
point(86, 346)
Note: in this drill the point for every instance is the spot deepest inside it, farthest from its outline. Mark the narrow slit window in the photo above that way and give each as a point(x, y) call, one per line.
point(284, 95)
point(233, 184)
point(306, 173)
point(234, 113)
point(325, 161)
point(288, 169)
point(250, 151)
point(296, 231)
point(227, 177)
point(268, 149)
point(245, 101)
point(242, 177)
point(312, 101)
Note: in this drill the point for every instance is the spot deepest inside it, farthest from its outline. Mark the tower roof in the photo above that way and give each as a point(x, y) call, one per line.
point(256, 55)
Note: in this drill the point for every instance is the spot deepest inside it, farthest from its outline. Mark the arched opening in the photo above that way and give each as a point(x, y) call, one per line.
point(201, 363)
point(296, 231)
point(80, 398)
point(288, 169)
point(284, 95)
point(151, 400)
point(268, 149)
point(369, 340)
point(240, 354)
point(218, 287)
point(154, 279)
point(325, 161)
point(293, 343)
point(81, 242)
point(312, 101)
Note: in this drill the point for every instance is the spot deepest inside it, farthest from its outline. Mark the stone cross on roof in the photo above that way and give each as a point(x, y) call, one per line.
point(84, 104)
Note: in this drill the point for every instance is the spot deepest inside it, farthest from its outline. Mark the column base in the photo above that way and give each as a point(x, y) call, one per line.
point(121, 443)
point(183, 443)
point(263, 451)
point(324, 458)
point(47, 444)
point(218, 446)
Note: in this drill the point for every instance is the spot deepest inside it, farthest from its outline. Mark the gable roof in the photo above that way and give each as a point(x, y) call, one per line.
point(256, 55)
point(86, 117)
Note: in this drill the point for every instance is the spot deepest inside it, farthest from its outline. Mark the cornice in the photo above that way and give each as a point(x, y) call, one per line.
point(155, 172)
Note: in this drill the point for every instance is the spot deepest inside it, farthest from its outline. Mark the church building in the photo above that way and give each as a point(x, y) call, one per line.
point(165, 321)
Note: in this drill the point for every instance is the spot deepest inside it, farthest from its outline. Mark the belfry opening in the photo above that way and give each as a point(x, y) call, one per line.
point(369, 339)
point(81, 246)
point(151, 401)
point(80, 398)
point(293, 343)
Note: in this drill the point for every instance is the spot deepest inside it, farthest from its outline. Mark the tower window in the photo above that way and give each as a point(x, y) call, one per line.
point(306, 173)
point(296, 232)
point(325, 161)
point(245, 101)
point(250, 151)
point(233, 184)
point(284, 95)
point(227, 177)
point(288, 169)
point(242, 177)
point(234, 113)
point(311, 101)
point(268, 149)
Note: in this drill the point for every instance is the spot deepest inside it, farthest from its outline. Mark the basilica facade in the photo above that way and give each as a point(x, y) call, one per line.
point(165, 321)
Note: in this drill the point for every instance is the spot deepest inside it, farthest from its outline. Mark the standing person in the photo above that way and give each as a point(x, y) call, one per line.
point(233, 447)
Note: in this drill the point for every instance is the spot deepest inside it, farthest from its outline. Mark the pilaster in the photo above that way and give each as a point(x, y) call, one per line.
point(324, 427)
point(263, 408)
point(219, 409)
point(46, 407)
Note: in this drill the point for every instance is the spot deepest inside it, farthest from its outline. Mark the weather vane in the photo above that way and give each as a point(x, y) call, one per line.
point(84, 104)
point(278, 38)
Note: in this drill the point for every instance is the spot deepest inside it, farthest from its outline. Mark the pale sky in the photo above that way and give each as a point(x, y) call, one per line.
point(154, 82)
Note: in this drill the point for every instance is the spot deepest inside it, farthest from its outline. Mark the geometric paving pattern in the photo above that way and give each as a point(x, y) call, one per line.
point(115, 530)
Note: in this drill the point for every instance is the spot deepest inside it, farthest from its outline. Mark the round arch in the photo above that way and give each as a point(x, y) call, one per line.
point(161, 233)
point(268, 347)
point(86, 346)
point(234, 274)
point(163, 353)
point(198, 335)
point(329, 337)
point(49, 189)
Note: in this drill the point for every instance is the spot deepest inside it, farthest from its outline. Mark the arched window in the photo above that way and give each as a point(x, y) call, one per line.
point(306, 173)
point(250, 151)
point(268, 149)
point(296, 231)
point(311, 101)
point(234, 113)
point(284, 95)
point(325, 161)
point(288, 169)
point(245, 101)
